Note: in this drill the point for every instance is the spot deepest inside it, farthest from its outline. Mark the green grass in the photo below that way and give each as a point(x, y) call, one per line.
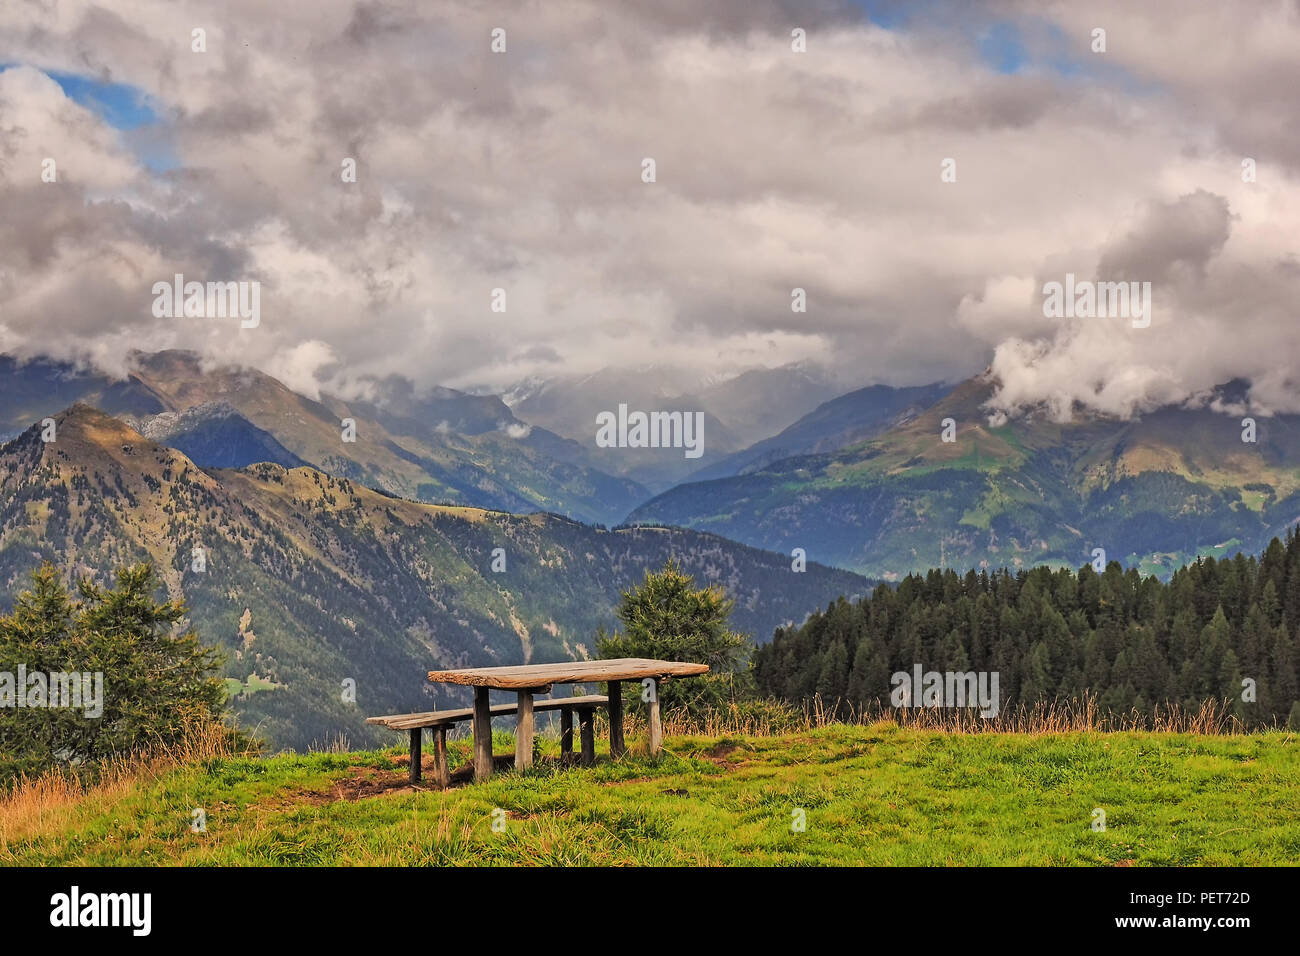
point(235, 687)
point(1162, 563)
point(875, 795)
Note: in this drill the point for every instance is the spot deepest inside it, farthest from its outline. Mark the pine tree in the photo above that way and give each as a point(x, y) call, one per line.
point(1285, 688)
point(667, 617)
point(157, 686)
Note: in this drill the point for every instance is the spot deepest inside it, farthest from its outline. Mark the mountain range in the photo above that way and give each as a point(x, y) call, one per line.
point(441, 447)
point(372, 559)
point(842, 421)
point(1154, 491)
point(311, 580)
point(862, 481)
point(738, 411)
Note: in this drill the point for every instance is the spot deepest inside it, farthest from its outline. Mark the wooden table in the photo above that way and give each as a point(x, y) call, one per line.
point(531, 679)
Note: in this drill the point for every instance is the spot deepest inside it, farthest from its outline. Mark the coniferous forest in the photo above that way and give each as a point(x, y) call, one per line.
point(1134, 643)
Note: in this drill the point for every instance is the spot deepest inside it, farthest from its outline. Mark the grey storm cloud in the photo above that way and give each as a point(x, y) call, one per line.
point(521, 171)
point(1185, 233)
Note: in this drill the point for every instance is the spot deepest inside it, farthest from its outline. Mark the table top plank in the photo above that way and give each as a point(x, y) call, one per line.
point(524, 676)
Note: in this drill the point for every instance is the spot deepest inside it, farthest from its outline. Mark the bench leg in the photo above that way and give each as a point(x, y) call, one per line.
point(482, 735)
point(524, 731)
point(414, 775)
point(441, 773)
point(655, 724)
point(616, 745)
point(587, 721)
point(566, 736)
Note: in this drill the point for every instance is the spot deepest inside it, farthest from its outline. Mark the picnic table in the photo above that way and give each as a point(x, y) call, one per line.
point(530, 680)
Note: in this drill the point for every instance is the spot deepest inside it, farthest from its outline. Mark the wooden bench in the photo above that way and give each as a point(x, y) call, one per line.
point(440, 720)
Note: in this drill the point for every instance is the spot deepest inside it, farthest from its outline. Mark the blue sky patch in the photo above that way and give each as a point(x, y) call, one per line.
point(1001, 47)
point(120, 106)
point(127, 109)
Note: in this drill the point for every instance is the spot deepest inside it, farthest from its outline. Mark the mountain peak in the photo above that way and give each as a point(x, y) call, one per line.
point(85, 436)
point(87, 420)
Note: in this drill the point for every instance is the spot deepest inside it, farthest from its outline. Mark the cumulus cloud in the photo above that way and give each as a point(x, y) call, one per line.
point(775, 170)
point(301, 367)
point(516, 430)
point(1220, 311)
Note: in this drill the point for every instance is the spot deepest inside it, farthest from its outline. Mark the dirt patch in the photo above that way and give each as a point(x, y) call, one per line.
point(372, 784)
point(362, 783)
point(719, 753)
point(465, 773)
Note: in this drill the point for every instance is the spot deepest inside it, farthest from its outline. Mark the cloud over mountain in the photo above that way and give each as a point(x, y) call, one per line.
point(775, 169)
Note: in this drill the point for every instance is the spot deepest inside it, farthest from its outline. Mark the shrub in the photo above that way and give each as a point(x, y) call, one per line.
point(668, 618)
point(156, 687)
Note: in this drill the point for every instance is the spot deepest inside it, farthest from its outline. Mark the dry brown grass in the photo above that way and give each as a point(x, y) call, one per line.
point(1057, 717)
point(51, 801)
point(1062, 717)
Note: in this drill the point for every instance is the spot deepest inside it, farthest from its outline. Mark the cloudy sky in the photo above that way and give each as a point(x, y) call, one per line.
point(775, 169)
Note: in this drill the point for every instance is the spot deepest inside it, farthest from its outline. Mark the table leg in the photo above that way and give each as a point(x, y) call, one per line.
point(566, 736)
point(414, 775)
point(656, 726)
point(587, 723)
point(440, 771)
point(616, 746)
point(524, 731)
point(482, 735)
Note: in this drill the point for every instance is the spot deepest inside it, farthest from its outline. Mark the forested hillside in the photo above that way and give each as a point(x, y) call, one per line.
point(1133, 641)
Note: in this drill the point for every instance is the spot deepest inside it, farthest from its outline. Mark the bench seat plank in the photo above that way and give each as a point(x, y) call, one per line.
point(439, 718)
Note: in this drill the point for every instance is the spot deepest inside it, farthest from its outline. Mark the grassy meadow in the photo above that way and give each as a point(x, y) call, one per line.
point(874, 794)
